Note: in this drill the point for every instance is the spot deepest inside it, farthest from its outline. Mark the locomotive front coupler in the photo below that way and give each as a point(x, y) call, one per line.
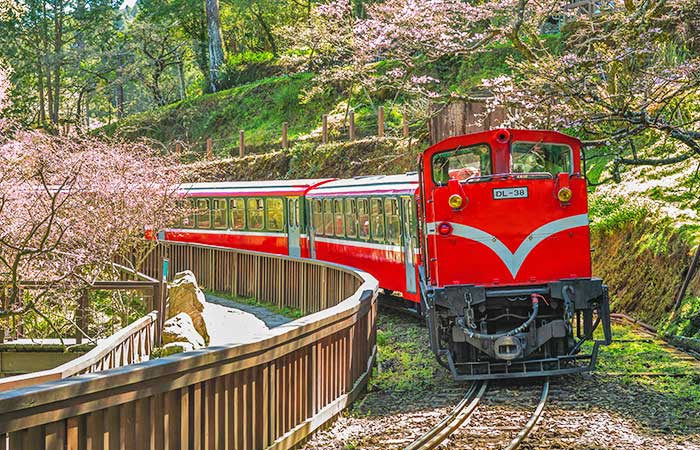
point(581, 293)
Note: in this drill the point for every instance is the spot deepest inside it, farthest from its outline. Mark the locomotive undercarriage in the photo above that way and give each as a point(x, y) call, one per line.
point(484, 333)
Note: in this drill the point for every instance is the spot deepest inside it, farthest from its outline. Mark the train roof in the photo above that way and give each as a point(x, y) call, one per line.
point(376, 184)
point(274, 187)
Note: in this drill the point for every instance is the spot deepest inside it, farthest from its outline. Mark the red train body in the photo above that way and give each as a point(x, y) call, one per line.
point(489, 240)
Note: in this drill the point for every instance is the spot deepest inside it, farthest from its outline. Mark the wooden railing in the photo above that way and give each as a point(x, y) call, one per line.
point(270, 391)
point(129, 345)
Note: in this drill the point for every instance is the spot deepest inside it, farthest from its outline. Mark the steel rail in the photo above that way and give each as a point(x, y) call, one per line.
point(523, 434)
point(454, 420)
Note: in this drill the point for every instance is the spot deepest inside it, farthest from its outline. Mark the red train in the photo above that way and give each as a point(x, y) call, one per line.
point(489, 240)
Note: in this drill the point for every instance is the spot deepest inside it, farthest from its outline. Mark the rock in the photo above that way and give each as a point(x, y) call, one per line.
point(186, 297)
point(180, 330)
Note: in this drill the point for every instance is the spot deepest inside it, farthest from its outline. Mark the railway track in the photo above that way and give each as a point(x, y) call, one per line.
point(465, 408)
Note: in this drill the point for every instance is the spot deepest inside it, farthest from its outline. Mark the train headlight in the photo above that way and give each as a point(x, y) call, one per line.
point(455, 201)
point(444, 229)
point(564, 195)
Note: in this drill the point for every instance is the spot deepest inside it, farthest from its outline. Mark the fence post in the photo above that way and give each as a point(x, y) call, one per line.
point(3, 306)
point(324, 129)
point(210, 152)
point(351, 131)
point(241, 143)
point(178, 150)
point(285, 128)
point(380, 122)
point(404, 125)
point(81, 317)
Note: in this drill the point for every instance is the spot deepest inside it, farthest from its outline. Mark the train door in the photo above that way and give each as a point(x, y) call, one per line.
point(409, 242)
point(293, 229)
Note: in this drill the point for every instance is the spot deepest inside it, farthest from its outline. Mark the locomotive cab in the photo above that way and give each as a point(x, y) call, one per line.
point(506, 285)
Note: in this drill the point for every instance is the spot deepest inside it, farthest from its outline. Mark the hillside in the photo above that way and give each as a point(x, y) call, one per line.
point(259, 108)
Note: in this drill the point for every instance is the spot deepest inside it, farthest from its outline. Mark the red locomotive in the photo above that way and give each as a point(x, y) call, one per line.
point(489, 240)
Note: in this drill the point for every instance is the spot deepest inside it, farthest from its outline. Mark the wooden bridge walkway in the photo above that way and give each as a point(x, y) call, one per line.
point(268, 392)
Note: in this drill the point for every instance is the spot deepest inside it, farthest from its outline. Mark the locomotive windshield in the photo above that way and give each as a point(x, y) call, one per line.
point(462, 163)
point(538, 157)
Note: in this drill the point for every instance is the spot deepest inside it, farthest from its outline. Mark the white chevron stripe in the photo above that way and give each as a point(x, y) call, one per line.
point(514, 261)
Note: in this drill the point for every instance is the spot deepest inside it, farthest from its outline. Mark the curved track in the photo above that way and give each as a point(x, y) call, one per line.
point(464, 409)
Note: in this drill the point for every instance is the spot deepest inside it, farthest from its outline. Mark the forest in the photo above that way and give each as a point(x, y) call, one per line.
point(96, 93)
point(622, 75)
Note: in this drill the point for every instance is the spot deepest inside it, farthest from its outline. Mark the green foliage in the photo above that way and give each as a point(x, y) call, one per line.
point(404, 360)
point(247, 67)
point(608, 214)
point(686, 322)
point(286, 311)
point(641, 356)
point(259, 108)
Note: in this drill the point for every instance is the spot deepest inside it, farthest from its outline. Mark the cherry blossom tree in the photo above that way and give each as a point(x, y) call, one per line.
point(69, 204)
point(628, 78)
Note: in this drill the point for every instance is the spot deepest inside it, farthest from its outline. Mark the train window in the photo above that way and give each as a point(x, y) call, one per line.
point(363, 218)
point(317, 216)
point(274, 214)
point(255, 213)
point(203, 213)
point(338, 217)
point(377, 221)
point(237, 208)
point(328, 217)
point(218, 213)
point(350, 218)
point(393, 221)
point(462, 163)
point(188, 219)
point(539, 157)
point(292, 218)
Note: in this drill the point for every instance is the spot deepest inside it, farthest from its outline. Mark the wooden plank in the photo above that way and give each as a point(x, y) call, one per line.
point(127, 426)
point(95, 431)
point(197, 422)
point(55, 434)
point(34, 438)
point(111, 427)
point(142, 437)
point(74, 440)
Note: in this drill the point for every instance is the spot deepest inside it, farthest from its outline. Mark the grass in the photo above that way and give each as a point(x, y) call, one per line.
point(286, 311)
point(628, 359)
point(259, 107)
point(405, 363)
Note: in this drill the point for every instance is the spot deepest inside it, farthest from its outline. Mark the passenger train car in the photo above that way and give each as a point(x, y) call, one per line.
point(489, 240)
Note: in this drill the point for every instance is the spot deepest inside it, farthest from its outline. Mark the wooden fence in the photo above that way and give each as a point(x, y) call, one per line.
point(350, 131)
point(152, 291)
point(270, 391)
point(129, 345)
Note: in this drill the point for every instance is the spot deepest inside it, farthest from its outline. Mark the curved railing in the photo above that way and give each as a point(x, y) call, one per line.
point(131, 344)
point(270, 391)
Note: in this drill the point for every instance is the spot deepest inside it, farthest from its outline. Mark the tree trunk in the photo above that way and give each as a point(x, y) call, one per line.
point(216, 49)
point(181, 78)
point(87, 112)
point(120, 90)
point(268, 32)
point(42, 104)
point(57, 48)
